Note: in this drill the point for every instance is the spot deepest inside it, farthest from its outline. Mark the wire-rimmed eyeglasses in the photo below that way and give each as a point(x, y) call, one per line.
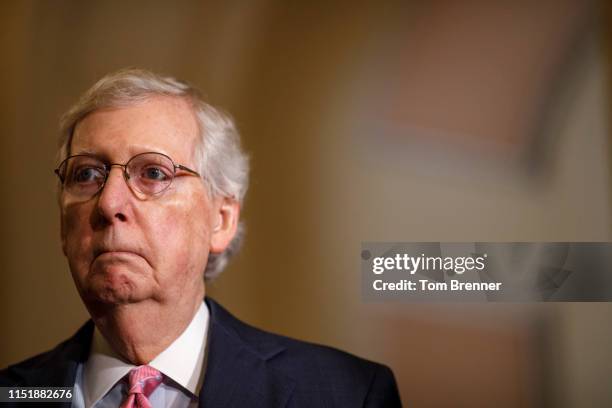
point(149, 173)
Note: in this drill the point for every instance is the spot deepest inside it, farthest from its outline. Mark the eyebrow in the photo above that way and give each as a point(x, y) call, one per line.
point(91, 152)
point(85, 151)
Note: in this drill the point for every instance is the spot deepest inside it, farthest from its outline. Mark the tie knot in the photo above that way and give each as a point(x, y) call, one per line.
point(144, 380)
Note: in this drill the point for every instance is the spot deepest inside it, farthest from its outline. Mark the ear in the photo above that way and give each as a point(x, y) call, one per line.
point(224, 224)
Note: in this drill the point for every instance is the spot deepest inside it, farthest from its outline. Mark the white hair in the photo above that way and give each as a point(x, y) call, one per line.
point(219, 157)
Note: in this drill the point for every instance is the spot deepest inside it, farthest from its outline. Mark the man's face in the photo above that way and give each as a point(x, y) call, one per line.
point(122, 248)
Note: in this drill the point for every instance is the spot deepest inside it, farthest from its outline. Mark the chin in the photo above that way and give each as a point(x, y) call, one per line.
point(113, 289)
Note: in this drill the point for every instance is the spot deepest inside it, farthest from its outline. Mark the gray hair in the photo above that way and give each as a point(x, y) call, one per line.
point(219, 157)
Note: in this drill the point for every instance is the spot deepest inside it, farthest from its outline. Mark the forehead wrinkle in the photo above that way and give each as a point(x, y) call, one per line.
point(177, 130)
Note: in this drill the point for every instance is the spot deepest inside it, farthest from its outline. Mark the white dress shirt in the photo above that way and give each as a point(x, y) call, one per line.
point(98, 382)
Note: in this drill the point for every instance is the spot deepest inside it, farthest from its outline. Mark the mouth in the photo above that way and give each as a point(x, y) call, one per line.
point(109, 253)
point(106, 254)
point(118, 254)
point(110, 259)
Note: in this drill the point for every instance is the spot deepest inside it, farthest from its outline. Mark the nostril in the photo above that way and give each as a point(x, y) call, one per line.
point(120, 216)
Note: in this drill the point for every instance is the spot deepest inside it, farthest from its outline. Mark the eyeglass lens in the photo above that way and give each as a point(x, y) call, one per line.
point(148, 173)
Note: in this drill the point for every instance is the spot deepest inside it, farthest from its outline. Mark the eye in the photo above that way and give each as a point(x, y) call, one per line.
point(155, 173)
point(88, 175)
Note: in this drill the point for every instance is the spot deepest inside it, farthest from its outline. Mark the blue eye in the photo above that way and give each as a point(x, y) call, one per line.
point(155, 174)
point(88, 175)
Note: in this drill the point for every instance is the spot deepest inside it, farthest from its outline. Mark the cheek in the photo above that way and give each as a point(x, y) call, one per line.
point(183, 236)
point(77, 243)
point(187, 235)
point(76, 230)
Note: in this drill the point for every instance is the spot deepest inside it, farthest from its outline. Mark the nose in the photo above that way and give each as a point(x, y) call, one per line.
point(114, 198)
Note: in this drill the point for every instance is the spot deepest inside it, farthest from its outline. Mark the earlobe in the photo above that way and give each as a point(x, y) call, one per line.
point(225, 225)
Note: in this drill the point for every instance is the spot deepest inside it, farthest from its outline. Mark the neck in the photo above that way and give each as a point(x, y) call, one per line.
point(139, 332)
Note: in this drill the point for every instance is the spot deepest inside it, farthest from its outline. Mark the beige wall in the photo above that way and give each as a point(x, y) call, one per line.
point(296, 79)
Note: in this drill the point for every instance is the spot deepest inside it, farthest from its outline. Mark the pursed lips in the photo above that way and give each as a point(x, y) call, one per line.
point(115, 251)
point(119, 252)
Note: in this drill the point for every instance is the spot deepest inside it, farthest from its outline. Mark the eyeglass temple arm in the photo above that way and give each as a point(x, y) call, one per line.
point(57, 171)
point(180, 166)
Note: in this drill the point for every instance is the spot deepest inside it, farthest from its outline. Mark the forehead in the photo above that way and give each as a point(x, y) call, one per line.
point(158, 124)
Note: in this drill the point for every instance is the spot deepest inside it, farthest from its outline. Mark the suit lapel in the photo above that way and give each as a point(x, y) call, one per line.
point(237, 372)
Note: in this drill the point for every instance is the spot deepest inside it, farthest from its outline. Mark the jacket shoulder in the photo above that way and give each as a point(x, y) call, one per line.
point(320, 370)
point(346, 379)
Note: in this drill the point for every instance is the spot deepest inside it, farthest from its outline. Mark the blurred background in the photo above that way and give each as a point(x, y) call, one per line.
point(403, 121)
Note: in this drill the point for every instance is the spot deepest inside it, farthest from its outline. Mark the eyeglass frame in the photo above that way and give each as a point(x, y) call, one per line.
point(126, 176)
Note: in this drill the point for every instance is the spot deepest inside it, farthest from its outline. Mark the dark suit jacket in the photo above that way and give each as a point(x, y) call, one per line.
point(246, 367)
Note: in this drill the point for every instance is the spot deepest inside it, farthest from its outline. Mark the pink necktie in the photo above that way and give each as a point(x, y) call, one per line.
point(142, 381)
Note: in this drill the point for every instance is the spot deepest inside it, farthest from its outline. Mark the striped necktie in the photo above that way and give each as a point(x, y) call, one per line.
point(143, 381)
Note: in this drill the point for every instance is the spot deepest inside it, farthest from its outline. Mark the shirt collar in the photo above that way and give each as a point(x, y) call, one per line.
point(182, 361)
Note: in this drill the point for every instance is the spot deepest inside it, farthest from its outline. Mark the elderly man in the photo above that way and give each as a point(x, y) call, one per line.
point(151, 182)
